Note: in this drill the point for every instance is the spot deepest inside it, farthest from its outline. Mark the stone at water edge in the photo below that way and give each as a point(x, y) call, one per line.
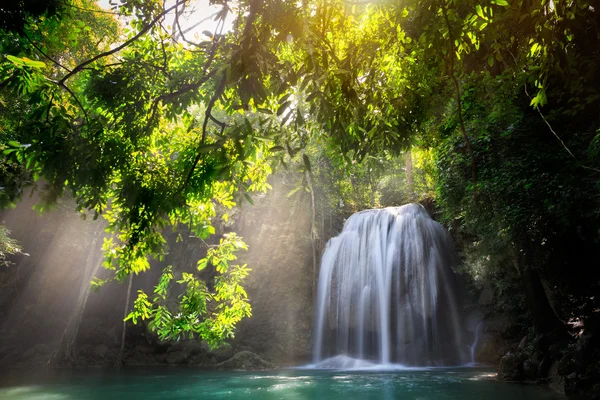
point(511, 368)
point(245, 361)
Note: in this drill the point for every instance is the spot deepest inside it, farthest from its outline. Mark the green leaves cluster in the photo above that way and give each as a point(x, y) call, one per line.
point(8, 246)
point(209, 314)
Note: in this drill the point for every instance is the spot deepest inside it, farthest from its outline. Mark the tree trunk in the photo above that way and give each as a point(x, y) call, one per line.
point(410, 182)
point(119, 360)
point(64, 354)
point(313, 233)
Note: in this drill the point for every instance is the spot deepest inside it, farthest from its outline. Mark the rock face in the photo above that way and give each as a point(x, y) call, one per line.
point(495, 332)
point(245, 361)
point(511, 368)
point(277, 230)
point(569, 365)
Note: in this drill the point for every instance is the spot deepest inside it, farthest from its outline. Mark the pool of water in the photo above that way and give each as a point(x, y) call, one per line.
point(184, 384)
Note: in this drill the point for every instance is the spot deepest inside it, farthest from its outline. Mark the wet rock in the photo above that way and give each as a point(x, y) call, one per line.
point(39, 350)
point(144, 349)
point(100, 351)
point(566, 365)
point(511, 368)
point(176, 358)
point(245, 361)
point(490, 349)
point(578, 386)
point(596, 391)
point(522, 344)
point(530, 369)
point(556, 379)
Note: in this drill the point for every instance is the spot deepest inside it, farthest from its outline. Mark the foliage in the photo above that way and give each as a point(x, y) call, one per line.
point(8, 246)
point(211, 315)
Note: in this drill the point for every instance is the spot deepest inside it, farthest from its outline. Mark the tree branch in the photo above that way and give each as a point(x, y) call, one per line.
point(76, 100)
point(44, 54)
point(122, 46)
point(207, 114)
point(564, 145)
point(458, 98)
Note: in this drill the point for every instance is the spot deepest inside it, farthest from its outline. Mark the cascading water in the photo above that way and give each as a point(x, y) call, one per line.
point(387, 293)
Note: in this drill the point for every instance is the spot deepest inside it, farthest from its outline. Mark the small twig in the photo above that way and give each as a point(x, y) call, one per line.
point(186, 88)
point(181, 33)
point(189, 29)
point(216, 121)
point(537, 108)
point(216, 37)
point(44, 54)
point(62, 85)
point(211, 104)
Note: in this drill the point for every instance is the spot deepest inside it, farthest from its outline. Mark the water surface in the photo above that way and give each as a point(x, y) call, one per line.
point(185, 384)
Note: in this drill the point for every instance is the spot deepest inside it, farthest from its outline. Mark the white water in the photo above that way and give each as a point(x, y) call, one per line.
point(387, 293)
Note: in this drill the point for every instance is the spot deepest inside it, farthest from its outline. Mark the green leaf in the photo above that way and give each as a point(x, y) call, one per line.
point(292, 192)
point(26, 62)
point(306, 162)
point(247, 196)
point(502, 3)
point(479, 11)
point(283, 107)
point(202, 264)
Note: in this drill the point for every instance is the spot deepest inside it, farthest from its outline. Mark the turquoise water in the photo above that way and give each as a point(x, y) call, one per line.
point(184, 384)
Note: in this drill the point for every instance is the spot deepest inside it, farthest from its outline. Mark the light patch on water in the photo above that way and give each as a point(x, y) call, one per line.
point(281, 378)
point(342, 377)
point(481, 377)
point(284, 386)
point(30, 393)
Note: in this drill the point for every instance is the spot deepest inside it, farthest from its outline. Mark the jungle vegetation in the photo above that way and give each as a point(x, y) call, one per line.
point(488, 107)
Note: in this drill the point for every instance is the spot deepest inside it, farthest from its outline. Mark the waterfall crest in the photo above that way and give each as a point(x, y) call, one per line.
point(387, 292)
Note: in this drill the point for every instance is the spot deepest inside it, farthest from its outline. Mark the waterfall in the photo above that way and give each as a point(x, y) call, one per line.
point(387, 293)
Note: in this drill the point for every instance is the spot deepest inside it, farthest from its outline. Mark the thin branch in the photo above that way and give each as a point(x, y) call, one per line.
point(223, 125)
point(458, 99)
point(165, 61)
point(186, 88)
point(211, 104)
point(207, 114)
point(49, 107)
point(189, 29)
point(44, 54)
point(537, 108)
point(76, 100)
point(122, 46)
